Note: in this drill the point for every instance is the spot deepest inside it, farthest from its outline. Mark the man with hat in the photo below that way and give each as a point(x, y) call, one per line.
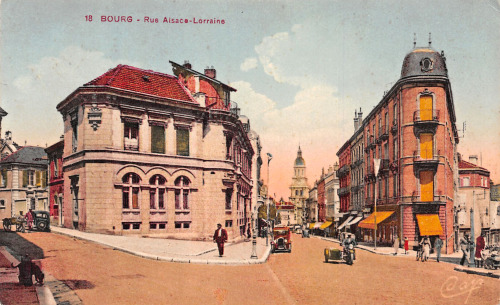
point(464, 246)
point(220, 237)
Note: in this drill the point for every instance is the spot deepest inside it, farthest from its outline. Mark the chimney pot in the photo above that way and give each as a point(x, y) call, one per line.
point(210, 72)
point(187, 64)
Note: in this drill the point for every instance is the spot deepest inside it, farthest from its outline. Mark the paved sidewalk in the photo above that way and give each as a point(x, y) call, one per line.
point(11, 292)
point(179, 251)
point(453, 258)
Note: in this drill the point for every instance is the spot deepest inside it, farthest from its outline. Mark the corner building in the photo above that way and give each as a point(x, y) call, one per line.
point(412, 130)
point(149, 153)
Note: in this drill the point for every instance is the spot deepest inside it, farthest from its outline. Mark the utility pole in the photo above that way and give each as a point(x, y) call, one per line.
point(376, 166)
point(269, 158)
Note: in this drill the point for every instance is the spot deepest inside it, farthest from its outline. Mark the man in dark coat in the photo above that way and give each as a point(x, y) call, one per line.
point(220, 237)
point(438, 244)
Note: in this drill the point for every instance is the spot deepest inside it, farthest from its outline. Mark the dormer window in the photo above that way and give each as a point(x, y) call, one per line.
point(426, 64)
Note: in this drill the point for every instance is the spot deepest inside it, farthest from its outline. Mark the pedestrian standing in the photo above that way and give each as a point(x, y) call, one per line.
point(438, 244)
point(29, 217)
point(220, 237)
point(464, 246)
point(426, 245)
point(479, 247)
point(406, 245)
point(396, 245)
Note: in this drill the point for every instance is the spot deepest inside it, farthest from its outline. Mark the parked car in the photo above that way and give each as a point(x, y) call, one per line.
point(41, 221)
point(281, 240)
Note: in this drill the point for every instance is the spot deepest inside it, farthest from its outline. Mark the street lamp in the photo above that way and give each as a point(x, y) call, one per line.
point(269, 158)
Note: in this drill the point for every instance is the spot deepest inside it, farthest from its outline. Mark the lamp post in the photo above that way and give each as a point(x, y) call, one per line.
point(376, 166)
point(254, 240)
point(269, 158)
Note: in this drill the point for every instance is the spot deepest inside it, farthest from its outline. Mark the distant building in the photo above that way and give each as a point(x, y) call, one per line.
point(23, 184)
point(286, 213)
point(494, 214)
point(312, 204)
point(299, 187)
point(56, 182)
point(473, 193)
point(148, 153)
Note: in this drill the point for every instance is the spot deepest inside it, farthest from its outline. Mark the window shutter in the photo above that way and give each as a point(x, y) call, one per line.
point(38, 178)
point(25, 178)
point(427, 186)
point(44, 179)
point(182, 142)
point(157, 139)
point(426, 108)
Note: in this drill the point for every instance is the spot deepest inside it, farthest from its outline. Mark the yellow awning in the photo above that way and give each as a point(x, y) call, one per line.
point(325, 225)
point(311, 225)
point(429, 224)
point(369, 222)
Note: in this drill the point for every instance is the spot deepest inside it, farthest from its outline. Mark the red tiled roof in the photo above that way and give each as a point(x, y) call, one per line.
point(143, 81)
point(465, 165)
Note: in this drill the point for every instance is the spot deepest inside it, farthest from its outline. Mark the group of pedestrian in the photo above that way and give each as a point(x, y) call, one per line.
point(426, 245)
point(466, 245)
point(29, 217)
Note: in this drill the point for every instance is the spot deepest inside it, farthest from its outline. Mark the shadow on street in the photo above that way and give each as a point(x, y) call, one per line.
point(20, 246)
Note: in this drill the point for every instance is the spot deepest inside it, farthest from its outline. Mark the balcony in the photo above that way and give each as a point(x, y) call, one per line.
point(383, 133)
point(221, 104)
point(384, 166)
point(358, 162)
point(370, 143)
point(438, 197)
point(343, 191)
point(343, 171)
point(394, 127)
point(425, 121)
point(370, 173)
point(425, 161)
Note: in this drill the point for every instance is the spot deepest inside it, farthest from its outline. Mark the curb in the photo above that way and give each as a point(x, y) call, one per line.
point(477, 272)
point(183, 260)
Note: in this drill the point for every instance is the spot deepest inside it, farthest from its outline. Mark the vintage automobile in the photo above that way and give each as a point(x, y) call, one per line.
point(281, 240)
point(491, 257)
point(41, 221)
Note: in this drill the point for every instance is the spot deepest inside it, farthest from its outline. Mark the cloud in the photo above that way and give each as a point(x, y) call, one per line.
point(249, 64)
point(32, 98)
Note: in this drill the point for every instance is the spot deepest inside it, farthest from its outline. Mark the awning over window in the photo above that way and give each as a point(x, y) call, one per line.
point(345, 222)
point(368, 222)
point(429, 224)
point(317, 225)
point(325, 225)
point(354, 221)
point(311, 225)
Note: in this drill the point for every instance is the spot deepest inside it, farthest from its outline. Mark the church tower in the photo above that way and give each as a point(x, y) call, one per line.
point(299, 190)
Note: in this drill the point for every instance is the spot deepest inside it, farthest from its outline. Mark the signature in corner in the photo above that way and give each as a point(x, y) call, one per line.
point(451, 288)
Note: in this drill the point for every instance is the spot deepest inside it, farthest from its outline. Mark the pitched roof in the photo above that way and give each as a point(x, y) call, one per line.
point(467, 165)
point(2, 112)
point(143, 81)
point(27, 155)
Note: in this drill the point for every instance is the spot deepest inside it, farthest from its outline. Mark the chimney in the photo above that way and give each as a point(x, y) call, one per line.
point(473, 159)
point(8, 137)
point(360, 117)
point(187, 64)
point(356, 123)
point(210, 72)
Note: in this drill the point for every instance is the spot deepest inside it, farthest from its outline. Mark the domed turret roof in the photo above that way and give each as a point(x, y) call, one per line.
point(424, 62)
point(299, 161)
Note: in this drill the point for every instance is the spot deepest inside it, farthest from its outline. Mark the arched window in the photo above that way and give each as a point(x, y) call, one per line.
point(157, 192)
point(182, 193)
point(130, 191)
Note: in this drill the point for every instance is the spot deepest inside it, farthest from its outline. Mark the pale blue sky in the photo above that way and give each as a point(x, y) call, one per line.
point(308, 64)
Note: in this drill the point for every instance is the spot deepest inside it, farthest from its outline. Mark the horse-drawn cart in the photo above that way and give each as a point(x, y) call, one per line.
point(18, 223)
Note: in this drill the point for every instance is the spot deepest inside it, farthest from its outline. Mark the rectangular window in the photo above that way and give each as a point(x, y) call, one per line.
point(162, 226)
point(126, 226)
point(185, 200)
point(125, 199)
point(178, 225)
point(152, 226)
point(74, 129)
point(177, 199)
point(56, 168)
point(31, 178)
point(131, 136)
point(2, 204)
point(426, 146)
point(4, 178)
point(465, 181)
point(152, 199)
point(158, 139)
point(427, 186)
point(135, 198)
point(44, 179)
point(229, 196)
point(38, 177)
point(182, 142)
point(136, 226)
point(426, 108)
point(229, 223)
point(185, 225)
point(161, 199)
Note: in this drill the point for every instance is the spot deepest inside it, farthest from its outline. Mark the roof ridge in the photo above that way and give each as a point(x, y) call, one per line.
point(117, 70)
point(149, 71)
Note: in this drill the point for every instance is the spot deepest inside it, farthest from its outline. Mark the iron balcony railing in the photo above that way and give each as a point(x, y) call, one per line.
point(431, 115)
point(217, 103)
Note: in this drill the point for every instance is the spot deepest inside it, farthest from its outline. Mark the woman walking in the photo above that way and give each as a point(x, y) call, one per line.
point(426, 244)
point(406, 245)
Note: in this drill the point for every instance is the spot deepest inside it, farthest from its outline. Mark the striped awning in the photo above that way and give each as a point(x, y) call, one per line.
point(325, 225)
point(355, 220)
point(345, 222)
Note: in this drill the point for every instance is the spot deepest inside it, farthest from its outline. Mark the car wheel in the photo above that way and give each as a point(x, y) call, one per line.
point(42, 225)
point(6, 225)
point(326, 259)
